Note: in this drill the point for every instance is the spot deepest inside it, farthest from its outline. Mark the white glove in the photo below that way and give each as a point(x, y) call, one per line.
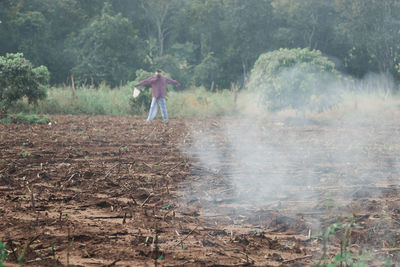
point(136, 92)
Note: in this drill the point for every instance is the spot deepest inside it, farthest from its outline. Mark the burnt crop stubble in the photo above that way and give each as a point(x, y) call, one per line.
point(117, 191)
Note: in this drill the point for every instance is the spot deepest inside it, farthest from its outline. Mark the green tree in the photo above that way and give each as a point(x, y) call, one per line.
point(6, 33)
point(18, 78)
point(308, 23)
point(247, 28)
point(108, 49)
point(32, 32)
point(372, 33)
point(167, 48)
point(109, 40)
point(64, 17)
point(294, 78)
point(178, 62)
point(205, 72)
point(39, 28)
point(158, 12)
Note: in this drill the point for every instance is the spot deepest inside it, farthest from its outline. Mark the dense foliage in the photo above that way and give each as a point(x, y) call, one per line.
point(18, 78)
point(199, 42)
point(108, 49)
point(143, 100)
point(294, 78)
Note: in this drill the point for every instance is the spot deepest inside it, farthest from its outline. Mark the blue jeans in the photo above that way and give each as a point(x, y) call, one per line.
point(153, 108)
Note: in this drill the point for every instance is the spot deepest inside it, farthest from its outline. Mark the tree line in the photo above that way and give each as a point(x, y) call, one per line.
point(210, 43)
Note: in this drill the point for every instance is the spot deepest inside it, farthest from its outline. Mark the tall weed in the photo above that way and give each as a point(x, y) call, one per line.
point(196, 101)
point(199, 102)
point(101, 101)
point(118, 101)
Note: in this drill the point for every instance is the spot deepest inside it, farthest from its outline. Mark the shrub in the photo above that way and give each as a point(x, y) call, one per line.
point(107, 49)
point(143, 101)
point(204, 73)
point(18, 78)
point(21, 118)
point(301, 79)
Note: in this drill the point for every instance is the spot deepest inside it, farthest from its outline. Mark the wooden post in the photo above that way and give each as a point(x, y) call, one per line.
point(212, 86)
point(3, 112)
point(73, 87)
point(234, 90)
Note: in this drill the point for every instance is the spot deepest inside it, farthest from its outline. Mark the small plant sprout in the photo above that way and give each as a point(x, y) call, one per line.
point(53, 250)
point(25, 153)
point(257, 232)
point(345, 257)
point(3, 254)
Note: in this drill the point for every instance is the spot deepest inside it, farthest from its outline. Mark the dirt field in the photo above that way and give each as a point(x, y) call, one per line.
point(116, 191)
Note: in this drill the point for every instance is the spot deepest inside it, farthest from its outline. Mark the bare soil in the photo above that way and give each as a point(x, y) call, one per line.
point(117, 191)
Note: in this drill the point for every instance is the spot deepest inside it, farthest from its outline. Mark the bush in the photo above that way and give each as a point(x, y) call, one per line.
point(143, 101)
point(18, 78)
point(204, 73)
point(294, 78)
point(107, 49)
point(21, 118)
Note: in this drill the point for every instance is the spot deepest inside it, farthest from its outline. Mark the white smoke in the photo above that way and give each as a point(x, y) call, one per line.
point(266, 161)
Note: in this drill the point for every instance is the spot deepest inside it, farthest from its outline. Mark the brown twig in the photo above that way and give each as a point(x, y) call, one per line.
point(13, 250)
point(148, 165)
point(233, 256)
point(124, 219)
point(158, 162)
point(38, 259)
point(32, 199)
point(165, 215)
point(171, 169)
point(390, 249)
point(151, 194)
point(110, 169)
point(166, 186)
point(134, 201)
point(247, 256)
point(296, 259)
point(180, 242)
point(113, 263)
point(27, 244)
point(156, 249)
point(69, 179)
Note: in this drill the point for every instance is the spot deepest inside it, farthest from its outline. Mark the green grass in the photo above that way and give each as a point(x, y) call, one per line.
point(192, 102)
point(102, 101)
point(21, 118)
point(116, 102)
point(199, 102)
